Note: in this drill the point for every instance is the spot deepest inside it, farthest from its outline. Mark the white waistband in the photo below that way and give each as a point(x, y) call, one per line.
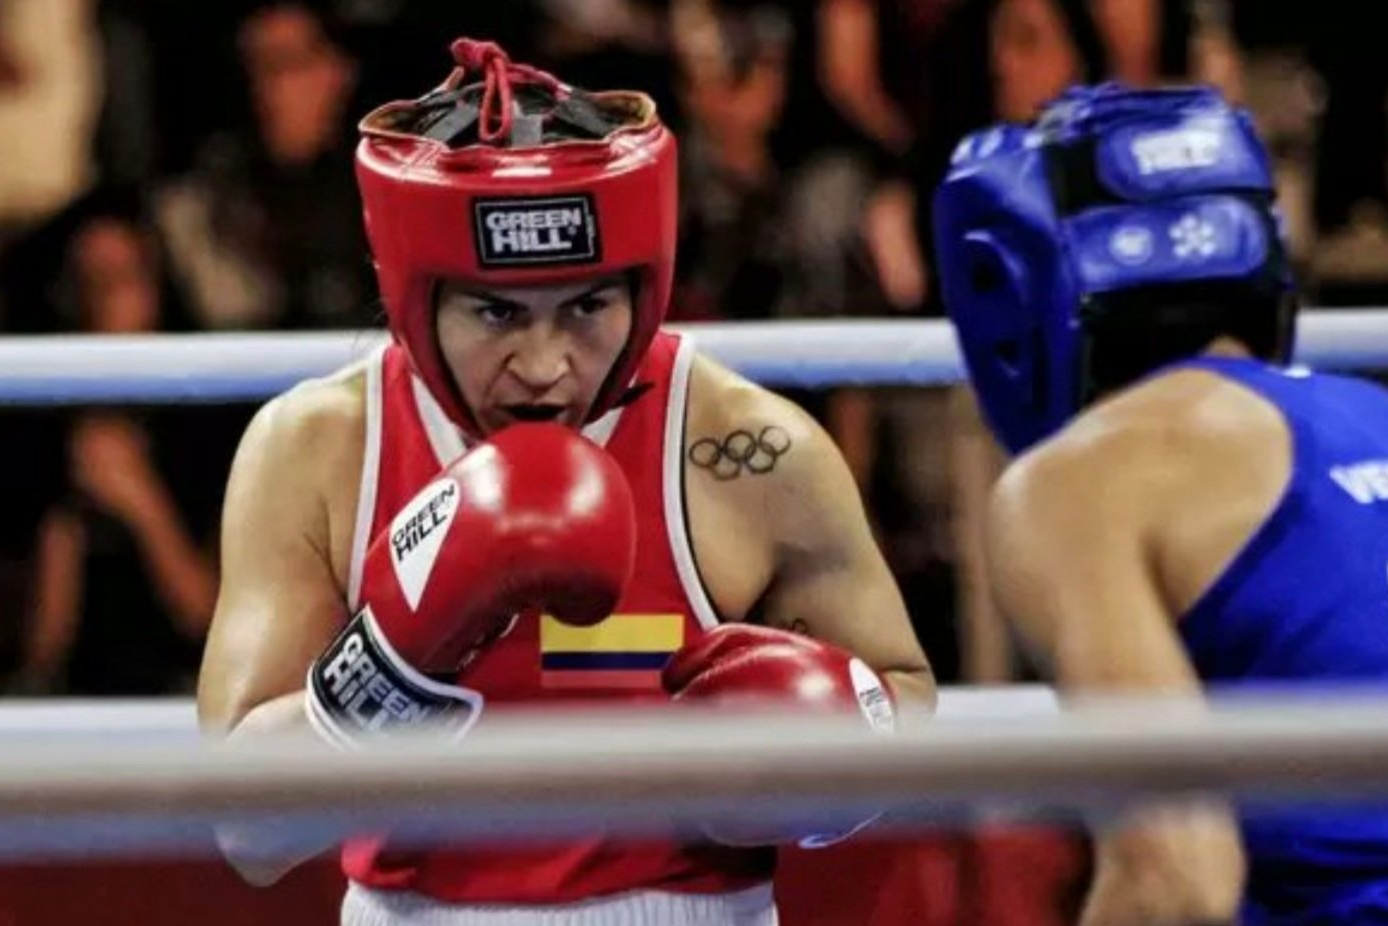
point(364, 906)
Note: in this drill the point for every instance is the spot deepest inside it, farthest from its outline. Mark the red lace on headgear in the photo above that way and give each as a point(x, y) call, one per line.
point(499, 72)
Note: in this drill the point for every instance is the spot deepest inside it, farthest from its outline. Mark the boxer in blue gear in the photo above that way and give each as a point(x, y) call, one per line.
point(1184, 512)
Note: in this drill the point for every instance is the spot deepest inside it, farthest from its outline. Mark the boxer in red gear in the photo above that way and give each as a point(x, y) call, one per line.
point(536, 517)
point(524, 237)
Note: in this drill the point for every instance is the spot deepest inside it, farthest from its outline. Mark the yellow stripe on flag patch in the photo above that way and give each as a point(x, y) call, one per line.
point(620, 633)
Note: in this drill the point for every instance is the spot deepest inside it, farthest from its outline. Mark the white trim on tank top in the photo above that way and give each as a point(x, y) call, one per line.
point(370, 474)
point(673, 487)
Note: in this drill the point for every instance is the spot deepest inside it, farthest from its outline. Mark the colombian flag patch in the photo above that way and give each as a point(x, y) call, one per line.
point(623, 651)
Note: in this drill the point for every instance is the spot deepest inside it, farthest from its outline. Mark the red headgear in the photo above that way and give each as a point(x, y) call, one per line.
point(500, 211)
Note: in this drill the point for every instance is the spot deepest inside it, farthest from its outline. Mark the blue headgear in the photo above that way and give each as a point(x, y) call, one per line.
point(1040, 229)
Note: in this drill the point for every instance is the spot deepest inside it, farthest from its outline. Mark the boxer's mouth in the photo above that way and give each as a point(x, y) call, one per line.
point(535, 412)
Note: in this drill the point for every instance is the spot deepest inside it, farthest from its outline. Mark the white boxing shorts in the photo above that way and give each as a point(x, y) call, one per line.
point(364, 906)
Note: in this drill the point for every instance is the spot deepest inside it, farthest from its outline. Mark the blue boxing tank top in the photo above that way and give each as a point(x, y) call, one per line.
point(1306, 602)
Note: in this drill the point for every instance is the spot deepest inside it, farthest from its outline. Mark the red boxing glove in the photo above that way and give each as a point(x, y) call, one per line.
point(538, 516)
point(744, 664)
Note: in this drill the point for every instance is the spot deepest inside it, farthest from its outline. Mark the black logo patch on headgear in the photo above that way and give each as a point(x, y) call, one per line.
point(537, 230)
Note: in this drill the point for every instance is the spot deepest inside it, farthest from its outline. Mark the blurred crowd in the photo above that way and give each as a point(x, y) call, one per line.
point(171, 166)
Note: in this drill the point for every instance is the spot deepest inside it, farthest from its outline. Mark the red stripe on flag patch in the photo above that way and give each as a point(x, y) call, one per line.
point(599, 678)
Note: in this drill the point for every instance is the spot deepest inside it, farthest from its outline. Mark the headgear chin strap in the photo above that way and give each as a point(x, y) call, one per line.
point(1044, 231)
point(519, 180)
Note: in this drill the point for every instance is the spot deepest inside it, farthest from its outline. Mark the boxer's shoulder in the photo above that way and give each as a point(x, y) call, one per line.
point(1191, 404)
point(1189, 430)
point(767, 462)
point(738, 423)
point(299, 465)
point(1146, 457)
point(309, 439)
point(317, 417)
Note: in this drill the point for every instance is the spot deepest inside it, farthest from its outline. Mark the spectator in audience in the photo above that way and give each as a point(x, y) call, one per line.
point(266, 230)
point(123, 588)
point(732, 81)
point(129, 141)
point(31, 481)
point(771, 230)
point(1037, 48)
point(50, 92)
point(1354, 127)
point(609, 43)
point(1350, 193)
point(875, 62)
point(385, 37)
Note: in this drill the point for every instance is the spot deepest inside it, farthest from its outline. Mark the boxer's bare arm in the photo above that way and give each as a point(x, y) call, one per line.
point(788, 525)
point(281, 598)
point(1072, 546)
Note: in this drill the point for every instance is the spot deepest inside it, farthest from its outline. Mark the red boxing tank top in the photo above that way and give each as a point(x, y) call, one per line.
point(408, 440)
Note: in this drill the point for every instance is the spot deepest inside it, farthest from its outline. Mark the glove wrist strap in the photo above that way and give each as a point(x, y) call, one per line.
point(361, 688)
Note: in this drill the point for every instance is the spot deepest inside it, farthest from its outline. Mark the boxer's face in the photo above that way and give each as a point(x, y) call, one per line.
point(533, 353)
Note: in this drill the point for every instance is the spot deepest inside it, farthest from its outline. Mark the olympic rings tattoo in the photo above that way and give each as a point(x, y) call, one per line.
point(741, 451)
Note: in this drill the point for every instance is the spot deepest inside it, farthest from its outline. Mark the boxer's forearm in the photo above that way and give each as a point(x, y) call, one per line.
point(1169, 867)
point(915, 692)
point(263, 853)
point(277, 716)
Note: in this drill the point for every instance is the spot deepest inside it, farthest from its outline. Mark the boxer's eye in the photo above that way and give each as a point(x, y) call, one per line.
point(498, 314)
point(588, 306)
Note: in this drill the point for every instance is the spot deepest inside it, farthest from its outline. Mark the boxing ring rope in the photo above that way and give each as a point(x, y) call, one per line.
point(646, 771)
point(227, 367)
point(175, 719)
point(84, 777)
point(98, 776)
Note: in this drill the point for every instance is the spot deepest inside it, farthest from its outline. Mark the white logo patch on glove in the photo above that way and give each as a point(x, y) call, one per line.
point(876, 704)
point(416, 536)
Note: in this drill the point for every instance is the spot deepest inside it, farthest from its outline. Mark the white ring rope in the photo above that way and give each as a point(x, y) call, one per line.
point(164, 368)
point(642, 771)
point(176, 718)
